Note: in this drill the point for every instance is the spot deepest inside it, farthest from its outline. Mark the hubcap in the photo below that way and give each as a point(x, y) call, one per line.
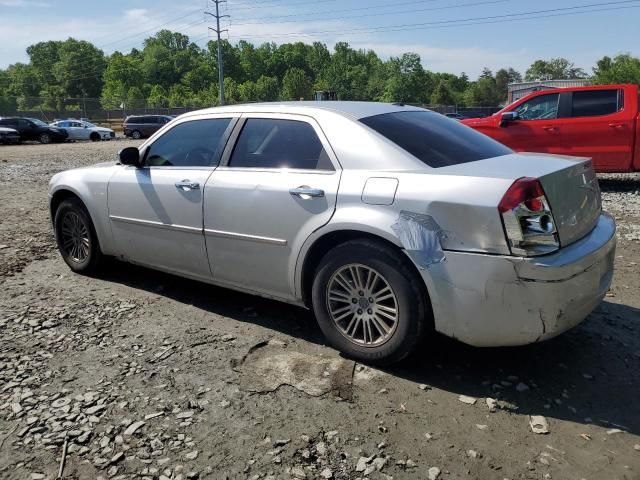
point(75, 237)
point(362, 305)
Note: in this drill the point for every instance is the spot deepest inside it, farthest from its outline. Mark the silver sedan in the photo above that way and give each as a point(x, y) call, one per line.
point(388, 221)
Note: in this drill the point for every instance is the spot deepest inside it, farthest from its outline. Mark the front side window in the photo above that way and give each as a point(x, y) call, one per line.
point(435, 139)
point(543, 107)
point(197, 143)
point(592, 103)
point(276, 143)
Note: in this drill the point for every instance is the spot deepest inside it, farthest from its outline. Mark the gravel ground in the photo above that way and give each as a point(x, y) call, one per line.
point(137, 374)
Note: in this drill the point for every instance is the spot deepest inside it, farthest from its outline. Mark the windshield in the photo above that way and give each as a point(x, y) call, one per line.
point(40, 123)
point(435, 139)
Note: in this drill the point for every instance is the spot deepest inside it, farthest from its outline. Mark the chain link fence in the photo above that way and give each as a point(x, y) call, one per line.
point(50, 109)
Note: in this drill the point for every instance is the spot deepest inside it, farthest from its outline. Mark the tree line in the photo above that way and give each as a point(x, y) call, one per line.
point(171, 71)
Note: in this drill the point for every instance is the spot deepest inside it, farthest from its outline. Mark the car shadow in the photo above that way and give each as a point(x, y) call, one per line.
point(588, 375)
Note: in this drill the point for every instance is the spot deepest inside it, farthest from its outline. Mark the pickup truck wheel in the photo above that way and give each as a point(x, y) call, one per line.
point(44, 138)
point(368, 302)
point(76, 237)
point(136, 135)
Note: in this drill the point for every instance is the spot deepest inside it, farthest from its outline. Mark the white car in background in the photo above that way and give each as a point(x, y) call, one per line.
point(82, 130)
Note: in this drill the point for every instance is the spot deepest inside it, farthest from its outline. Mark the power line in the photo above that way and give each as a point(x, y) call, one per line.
point(430, 9)
point(410, 26)
point(272, 3)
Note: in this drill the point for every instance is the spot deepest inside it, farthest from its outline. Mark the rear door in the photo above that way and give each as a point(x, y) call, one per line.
point(274, 187)
point(156, 211)
point(600, 127)
point(537, 128)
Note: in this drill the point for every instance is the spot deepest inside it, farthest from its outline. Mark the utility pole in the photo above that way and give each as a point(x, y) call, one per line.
point(217, 16)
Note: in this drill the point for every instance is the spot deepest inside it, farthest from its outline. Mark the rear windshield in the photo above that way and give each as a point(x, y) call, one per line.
point(435, 139)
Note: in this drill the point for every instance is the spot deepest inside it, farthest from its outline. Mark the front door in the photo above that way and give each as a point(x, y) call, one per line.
point(277, 186)
point(537, 128)
point(156, 211)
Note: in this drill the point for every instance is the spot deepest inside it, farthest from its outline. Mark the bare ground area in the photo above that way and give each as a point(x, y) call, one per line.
point(137, 374)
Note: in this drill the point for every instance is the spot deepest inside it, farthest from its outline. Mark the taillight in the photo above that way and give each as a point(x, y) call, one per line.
point(527, 218)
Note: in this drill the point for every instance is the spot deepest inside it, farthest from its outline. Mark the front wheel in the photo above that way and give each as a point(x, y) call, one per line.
point(95, 137)
point(369, 303)
point(76, 238)
point(44, 138)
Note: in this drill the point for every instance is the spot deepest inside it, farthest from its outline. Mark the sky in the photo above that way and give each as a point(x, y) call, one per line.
point(450, 35)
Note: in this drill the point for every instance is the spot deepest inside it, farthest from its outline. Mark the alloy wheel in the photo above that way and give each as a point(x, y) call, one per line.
point(362, 305)
point(76, 241)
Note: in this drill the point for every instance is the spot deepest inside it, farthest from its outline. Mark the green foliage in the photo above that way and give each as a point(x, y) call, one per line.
point(554, 69)
point(172, 71)
point(296, 85)
point(621, 69)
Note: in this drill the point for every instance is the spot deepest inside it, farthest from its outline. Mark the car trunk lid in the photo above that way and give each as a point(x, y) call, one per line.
point(570, 185)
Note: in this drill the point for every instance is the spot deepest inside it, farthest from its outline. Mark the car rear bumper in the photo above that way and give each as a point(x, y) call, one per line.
point(491, 300)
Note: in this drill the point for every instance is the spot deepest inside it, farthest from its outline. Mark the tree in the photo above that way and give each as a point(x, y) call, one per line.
point(621, 69)
point(267, 89)
point(483, 93)
point(504, 77)
point(554, 69)
point(158, 97)
point(442, 95)
point(406, 80)
point(296, 85)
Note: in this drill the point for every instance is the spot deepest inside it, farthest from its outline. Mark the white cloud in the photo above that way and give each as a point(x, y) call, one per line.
point(23, 3)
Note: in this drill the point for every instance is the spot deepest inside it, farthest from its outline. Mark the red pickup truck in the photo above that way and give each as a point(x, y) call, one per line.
point(600, 122)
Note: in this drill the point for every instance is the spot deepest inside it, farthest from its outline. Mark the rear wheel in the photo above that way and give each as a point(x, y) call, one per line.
point(369, 303)
point(44, 138)
point(76, 238)
point(136, 135)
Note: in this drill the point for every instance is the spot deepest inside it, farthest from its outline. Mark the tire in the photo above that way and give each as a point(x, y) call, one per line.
point(94, 137)
point(44, 138)
point(72, 223)
point(136, 135)
point(409, 299)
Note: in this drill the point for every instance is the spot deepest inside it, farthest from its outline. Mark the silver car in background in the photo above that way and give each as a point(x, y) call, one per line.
point(83, 130)
point(388, 221)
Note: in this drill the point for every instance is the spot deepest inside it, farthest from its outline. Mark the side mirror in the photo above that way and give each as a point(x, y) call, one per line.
point(130, 156)
point(508, 117)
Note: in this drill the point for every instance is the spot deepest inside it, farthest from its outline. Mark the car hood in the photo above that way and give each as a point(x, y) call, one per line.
point(476, 122)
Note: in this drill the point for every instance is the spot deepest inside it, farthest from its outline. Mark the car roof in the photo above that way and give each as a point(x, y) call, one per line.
point(355, 110)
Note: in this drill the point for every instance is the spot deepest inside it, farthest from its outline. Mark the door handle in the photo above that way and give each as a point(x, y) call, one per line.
point(306, 192)
point(550, 128)
point(187, 185)
point(617, 125)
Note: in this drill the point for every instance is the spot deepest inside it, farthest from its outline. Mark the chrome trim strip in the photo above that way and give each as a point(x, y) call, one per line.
point(244, 236)
point(150, 223)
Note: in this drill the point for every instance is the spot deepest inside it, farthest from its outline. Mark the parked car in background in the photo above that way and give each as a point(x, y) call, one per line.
point(141, 126)
point(600, 122)
point(455, 116)
point(426, 225)
point(83, 130)
point(34, 129)
point(9, 135)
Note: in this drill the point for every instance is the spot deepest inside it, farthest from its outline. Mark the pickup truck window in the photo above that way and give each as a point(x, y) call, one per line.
point(592, 103)
point(543, 107)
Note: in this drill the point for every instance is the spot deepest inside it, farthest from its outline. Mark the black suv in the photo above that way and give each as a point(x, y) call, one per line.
point(138, 126)
point(34, 129)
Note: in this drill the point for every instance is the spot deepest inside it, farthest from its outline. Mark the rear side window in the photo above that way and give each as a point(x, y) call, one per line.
point(197, 143)
point(275, 143)
point(592, 103)
point(435, 139)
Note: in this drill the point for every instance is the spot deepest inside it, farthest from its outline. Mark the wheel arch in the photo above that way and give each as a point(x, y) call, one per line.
point(318, 248)
point(100, 226)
